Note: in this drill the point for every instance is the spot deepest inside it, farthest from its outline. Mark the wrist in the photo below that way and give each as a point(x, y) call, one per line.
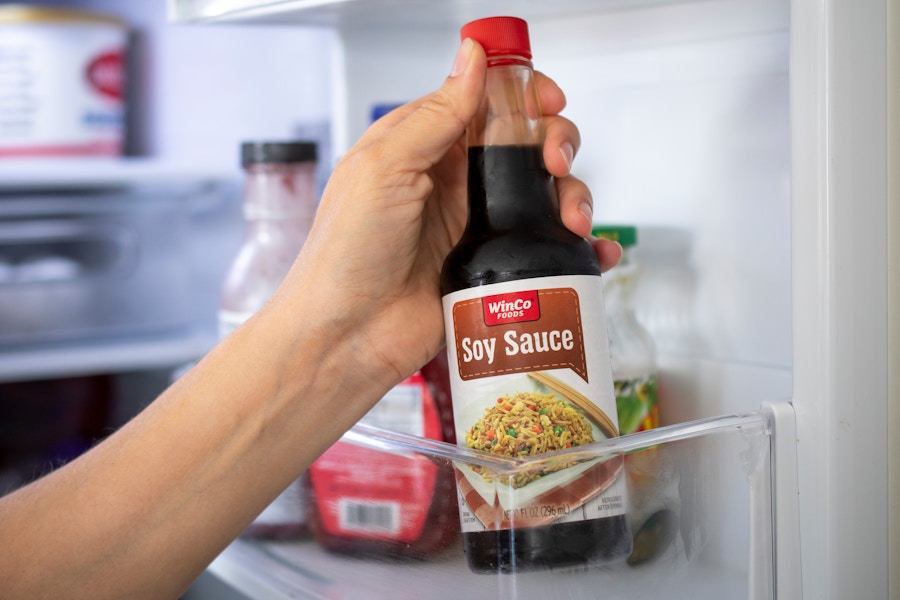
point(322, 371)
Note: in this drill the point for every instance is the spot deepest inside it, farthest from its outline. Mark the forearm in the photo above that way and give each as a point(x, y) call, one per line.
point(169, 490)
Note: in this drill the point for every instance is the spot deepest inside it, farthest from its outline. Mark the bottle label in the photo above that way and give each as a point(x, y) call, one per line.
point(368, 494)
point(530, 373)
point(636, 402)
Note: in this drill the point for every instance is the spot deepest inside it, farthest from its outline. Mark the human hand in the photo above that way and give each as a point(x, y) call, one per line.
point(394, 207)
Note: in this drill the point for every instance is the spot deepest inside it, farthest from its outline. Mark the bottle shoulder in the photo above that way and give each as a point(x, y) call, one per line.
point(496, 258)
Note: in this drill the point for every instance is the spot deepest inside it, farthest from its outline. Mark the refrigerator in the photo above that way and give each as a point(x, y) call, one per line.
point(754, 145)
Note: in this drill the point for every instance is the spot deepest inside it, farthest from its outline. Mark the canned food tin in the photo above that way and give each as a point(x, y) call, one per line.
point(62, 82)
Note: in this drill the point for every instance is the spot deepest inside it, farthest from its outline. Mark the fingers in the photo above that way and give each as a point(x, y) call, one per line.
point(553, 100)
point(576, 206)
point(562, 141)
point(608, 252)
point(562, 137)
point(560, 145)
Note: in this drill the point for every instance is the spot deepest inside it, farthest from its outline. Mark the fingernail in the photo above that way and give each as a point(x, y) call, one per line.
point(587, 210)
point(568, 153)
point(462, 58)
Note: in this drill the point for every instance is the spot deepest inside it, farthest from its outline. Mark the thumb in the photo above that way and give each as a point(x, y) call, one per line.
point(440, 118)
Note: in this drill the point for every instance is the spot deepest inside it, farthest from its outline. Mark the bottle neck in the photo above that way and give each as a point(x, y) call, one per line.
point(510, 114)
point(509, 186)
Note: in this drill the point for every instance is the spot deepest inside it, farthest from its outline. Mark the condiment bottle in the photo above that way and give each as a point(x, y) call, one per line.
point(635, 371)
point(279, 206)
point(526, 344)
point(369, 502)
point(631, 348)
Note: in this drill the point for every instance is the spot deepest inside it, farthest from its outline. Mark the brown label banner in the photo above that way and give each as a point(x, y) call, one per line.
point(555, 340)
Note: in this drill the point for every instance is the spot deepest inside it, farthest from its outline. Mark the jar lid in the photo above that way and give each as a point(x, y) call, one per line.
point(626, 235)
point(499, 36)
point(278, 152)
point(17, 14)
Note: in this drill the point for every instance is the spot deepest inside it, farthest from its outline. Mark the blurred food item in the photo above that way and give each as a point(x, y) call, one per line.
point(653, 537)
point(62, 82)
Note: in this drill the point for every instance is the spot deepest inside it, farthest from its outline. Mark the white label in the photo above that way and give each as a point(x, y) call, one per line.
point(530, 373)
point(289, 508)
point(400, 410)
point(367, 516)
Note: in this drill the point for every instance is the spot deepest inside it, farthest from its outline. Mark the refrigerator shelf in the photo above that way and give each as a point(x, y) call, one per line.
point(716, 480)
point(67, 174)
point(384, 13)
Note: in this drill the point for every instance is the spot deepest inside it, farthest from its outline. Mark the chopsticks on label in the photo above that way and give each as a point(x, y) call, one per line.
point(591, 410)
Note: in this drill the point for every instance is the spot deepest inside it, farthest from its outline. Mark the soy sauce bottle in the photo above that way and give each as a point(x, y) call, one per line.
point(520, 296)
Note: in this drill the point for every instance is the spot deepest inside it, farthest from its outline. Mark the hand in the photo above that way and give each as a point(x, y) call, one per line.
point(395, 206)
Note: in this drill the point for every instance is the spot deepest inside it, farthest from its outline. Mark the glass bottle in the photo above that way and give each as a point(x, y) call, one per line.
point(513, 292)
point(279, 206)
point(631, 348)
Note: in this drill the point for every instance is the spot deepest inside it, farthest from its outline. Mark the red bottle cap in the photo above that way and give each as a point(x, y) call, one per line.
point(499, 35)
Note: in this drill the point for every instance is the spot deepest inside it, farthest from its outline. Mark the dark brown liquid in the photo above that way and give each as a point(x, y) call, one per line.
point(515, 232)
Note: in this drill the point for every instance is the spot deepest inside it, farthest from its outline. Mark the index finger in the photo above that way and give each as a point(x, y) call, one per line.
point(553, 100)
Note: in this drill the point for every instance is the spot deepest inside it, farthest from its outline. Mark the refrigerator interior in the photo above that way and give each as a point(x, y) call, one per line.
point(111, 267)
point(727, 131)
point(684, 111)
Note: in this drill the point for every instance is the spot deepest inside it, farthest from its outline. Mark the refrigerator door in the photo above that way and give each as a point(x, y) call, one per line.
point(842, 304)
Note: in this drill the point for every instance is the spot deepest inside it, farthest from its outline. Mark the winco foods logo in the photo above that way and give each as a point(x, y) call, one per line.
point(516, 307)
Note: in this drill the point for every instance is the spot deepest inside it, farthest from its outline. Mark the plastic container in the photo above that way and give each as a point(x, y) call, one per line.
point(368, 502)
point(279, 207)
point(529, 361)
point(719, 481)
point(63, 91)
point(631, 348)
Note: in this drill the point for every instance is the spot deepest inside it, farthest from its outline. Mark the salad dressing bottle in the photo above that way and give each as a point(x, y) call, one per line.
point(279, 206)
